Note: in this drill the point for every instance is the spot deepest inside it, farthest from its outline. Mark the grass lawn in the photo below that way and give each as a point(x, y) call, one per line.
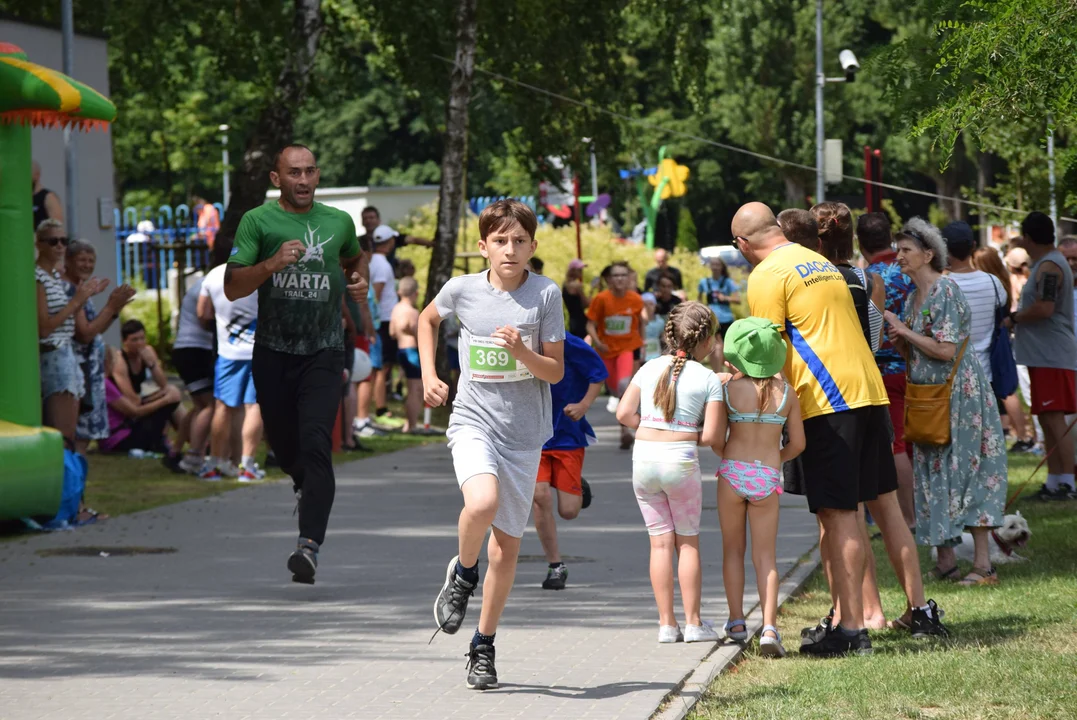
point(1012, 651)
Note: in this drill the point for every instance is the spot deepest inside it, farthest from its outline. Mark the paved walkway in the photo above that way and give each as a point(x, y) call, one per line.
point(217, 630)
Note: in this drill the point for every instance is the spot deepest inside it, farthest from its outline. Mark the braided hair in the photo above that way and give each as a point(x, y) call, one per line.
point(689, 326)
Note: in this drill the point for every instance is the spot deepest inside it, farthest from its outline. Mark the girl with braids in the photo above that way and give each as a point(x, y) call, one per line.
point(675, 403)
point(749, 479)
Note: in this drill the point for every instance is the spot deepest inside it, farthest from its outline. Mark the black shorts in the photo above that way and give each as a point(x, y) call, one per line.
point(723, 328)
point(847, 459)
point(388, 344)
point(195, 368)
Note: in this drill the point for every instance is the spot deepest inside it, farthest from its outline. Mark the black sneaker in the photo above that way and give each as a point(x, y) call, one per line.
point(481, 674)
point(925, 625)
point(304, 562)
point(836, 643)
point(587, 496)
point(1022, 446)
point(271, 460)
point(451, 603)
point(812, 635)
point(172, 462)
point(555, 578)
point(1062, 492)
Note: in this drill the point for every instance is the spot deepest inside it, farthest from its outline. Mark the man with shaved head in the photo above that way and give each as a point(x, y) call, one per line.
point(843, 402)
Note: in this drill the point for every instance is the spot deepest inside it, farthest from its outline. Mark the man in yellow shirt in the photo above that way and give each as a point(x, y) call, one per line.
point(843, 402)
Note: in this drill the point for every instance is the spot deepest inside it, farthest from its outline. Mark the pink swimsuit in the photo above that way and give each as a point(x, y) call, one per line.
point(753, 481)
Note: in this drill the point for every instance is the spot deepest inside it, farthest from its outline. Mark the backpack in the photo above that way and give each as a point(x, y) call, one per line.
point(1003, 365)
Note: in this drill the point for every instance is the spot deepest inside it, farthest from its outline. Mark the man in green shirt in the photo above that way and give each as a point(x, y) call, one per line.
point(290, 251)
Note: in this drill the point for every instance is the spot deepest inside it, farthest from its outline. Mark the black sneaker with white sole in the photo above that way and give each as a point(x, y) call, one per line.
point(1062, 492)
point(812, 635)
point(927, 623)
point(556, 577)
point(451, 603)
point(304, 562)
point(481, 673)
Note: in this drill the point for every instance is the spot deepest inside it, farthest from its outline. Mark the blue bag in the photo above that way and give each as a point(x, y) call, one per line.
point(75, 471)
point(1003, 366)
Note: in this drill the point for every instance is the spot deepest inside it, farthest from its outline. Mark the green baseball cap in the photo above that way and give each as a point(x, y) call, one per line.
point(755, 347)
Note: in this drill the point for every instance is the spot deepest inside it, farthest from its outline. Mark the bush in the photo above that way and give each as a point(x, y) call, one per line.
point(687, 236)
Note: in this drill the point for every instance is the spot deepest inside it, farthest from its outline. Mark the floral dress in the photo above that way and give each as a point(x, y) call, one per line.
point(962, 484)
point(93, 422)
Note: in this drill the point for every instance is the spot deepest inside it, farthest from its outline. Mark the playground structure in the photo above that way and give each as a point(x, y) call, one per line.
point(31, 457)
point(667, 179)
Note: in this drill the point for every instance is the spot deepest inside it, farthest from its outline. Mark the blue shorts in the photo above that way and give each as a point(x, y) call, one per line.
point(408, 360)
point(454, 357)
point(60, 372)
point(233, 382)
point(375, 353)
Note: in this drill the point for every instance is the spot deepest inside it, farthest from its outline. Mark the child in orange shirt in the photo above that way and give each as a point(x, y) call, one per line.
point(614, 322)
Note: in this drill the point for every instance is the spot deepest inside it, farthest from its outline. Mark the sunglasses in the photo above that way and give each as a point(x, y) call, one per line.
point(54, 241)
point(739, 237)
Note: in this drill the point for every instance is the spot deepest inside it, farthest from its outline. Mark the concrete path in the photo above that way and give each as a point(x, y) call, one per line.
point(217, 630)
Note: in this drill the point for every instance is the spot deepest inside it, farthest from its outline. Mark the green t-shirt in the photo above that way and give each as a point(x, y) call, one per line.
point(299, 309)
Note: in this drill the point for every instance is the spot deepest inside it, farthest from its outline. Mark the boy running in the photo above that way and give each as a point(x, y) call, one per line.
point(614, 322)
point(511, 350)
point(561, 466)
point(403, 325)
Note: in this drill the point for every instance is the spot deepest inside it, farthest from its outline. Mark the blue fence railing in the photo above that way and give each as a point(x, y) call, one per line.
point(478, 204)
point(140, 232)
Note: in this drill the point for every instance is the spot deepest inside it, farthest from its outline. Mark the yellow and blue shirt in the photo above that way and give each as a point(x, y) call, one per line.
point(828, 364)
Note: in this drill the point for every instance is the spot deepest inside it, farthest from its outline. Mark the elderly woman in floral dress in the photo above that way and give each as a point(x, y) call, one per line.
point(961, 485)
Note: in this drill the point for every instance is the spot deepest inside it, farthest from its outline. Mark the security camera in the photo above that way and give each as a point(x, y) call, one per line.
point(849, 64)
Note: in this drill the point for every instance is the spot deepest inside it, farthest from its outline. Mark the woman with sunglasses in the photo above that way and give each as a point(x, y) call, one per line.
point(61, 378)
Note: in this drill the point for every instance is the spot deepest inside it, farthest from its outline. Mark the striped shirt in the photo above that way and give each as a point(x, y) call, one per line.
point(984, 293)
point(56, 299)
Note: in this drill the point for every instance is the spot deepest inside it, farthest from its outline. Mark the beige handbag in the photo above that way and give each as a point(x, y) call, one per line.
point(927, 408)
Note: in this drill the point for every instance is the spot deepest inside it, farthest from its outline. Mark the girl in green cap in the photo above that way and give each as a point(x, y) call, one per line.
point(758, 404)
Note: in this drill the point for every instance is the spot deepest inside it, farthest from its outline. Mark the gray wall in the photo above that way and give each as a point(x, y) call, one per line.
point(94, 149)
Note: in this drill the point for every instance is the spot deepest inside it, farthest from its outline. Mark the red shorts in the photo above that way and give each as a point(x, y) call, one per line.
point(563, 469)
point(895, 393)
point(619, 368)
point(1053, 390)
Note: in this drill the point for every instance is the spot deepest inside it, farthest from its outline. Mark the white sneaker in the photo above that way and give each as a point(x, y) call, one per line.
point(191, 466)
point(611, 404)
point(228, 468)
point(253, 469)
point(700, 633)
point(670, 634)
point(367, 430)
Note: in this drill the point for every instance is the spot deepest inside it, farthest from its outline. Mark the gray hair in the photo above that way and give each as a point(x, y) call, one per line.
point(928, 237)
point(46, 224)
point(77, 247)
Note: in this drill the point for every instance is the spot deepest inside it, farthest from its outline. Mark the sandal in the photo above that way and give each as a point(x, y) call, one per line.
point(937, 573)
point(979, 576)
point(737, 635)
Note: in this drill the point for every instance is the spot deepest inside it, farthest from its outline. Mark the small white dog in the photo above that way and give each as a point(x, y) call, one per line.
point(1013, 533)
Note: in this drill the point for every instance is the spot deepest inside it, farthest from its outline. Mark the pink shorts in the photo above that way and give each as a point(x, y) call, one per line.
point(668, 486)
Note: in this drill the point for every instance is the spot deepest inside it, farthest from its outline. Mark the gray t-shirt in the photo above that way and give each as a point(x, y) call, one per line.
point(495, 394)
point(1047, 343)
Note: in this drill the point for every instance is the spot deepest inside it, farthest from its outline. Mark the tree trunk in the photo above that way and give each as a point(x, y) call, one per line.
point(454, 159)
point(795, 191)
point(277, 119)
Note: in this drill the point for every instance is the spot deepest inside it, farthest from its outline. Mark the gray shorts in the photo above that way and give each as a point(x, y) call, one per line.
point(474, 453)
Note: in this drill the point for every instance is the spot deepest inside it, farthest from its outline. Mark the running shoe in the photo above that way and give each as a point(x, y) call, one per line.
point(253, 469)
point(587, 496)
point(927, 623)
point(388, 422)
point(556, 577)
point(172, 462)
point(228, 468)
point(304, 562)
point(451, 603)
point(209, 473)
point(368, 430)
point(271, 460)
point(246, 475)
point(836, 643)
point(1062, 492)
point(192, 464)
point(611, 404)
point(1022, 446)
point(481, 674)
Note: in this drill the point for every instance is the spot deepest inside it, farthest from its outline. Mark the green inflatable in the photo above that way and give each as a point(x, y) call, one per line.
point(31, 457)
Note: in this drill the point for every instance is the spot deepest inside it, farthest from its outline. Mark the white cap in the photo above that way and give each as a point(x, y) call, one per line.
point(145, 226)
point(384, 233)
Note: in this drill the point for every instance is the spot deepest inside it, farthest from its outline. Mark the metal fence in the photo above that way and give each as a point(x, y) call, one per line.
point(171, 239)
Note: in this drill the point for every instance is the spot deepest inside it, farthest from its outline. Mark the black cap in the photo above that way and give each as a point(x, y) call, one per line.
point(960, 241)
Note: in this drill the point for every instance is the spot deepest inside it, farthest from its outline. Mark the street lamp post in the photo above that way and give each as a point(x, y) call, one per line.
point(225, 192)
point(850, 65)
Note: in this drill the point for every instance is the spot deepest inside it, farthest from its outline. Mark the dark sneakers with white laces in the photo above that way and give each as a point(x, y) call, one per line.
point(304, 562)
point(556, 577)
point(451, 603)
point(481, 674)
